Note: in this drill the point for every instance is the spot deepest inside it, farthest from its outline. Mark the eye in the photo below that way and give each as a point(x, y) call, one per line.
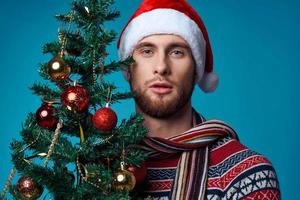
point(177, 53)
point(146, 52)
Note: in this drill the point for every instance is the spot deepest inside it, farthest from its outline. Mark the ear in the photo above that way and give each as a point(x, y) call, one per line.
point(128, 75)
point(127, 72)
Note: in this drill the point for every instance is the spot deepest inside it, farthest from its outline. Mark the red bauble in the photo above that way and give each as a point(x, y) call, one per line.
point(73, 52)
point(29, 189)
point(45, 116)
point(76, 98)
point(140, 172)
point(105, 119)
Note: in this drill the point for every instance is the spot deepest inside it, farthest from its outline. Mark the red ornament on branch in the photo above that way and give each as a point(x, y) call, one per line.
point(76, 98)
point(45, 116)
point(140, 172)
point(105, 119)
point(73, 52)
point(28, 188)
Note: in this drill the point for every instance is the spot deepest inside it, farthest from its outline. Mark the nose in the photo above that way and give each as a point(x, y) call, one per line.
point(162, 67)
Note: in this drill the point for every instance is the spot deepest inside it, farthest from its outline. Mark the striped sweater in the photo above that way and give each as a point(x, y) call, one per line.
point(235, 172)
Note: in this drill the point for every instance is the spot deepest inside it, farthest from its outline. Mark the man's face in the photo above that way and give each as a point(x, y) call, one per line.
point(163, 75)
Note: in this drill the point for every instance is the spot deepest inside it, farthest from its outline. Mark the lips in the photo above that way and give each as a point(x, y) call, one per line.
point(161, 88)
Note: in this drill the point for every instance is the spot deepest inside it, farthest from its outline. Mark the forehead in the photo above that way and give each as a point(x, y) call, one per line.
point(163, 40)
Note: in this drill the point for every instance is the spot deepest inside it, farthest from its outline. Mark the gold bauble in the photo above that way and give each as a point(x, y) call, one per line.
point(58, 69)
point(123, 180)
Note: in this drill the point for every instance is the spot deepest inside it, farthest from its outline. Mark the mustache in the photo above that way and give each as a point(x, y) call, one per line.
point(158, 78)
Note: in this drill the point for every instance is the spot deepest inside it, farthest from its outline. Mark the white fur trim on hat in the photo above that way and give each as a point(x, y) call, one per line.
point(167, 21)
point(209, 82)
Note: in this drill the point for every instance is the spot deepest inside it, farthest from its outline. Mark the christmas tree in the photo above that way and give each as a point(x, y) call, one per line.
point(72, 147)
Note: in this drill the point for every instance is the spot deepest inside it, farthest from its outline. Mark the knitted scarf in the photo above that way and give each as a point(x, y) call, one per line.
point(191, 173)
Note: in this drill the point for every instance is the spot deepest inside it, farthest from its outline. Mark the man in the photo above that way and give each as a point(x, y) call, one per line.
point(189, 158)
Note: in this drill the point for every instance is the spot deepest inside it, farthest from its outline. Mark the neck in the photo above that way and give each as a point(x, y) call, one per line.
point(178, 123)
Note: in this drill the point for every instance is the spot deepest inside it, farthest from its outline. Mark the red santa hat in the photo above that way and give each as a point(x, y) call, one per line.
point(172, 17)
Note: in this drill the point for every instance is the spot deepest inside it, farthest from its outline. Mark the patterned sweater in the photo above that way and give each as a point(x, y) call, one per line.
point(235, 172)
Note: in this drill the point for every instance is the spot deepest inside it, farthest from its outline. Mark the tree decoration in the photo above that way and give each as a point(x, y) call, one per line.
point(63, 39)
point(8, 182)
point(73, 52)
point(45, 116)
point(58, 69)
point(28, 188)
point(139, 172)
point(123, 180)
point(53, 142)
point(105, 119)
point(76, 98)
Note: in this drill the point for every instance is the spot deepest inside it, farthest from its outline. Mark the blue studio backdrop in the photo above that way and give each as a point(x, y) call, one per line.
point(256, 50)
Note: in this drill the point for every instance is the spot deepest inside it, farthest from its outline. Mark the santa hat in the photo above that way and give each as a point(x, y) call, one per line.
point(172, 17)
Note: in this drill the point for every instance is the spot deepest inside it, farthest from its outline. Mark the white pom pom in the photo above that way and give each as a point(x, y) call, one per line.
point(209, 82)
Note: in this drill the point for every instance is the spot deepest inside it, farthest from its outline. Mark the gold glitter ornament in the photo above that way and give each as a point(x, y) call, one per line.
point(123, 180)
point(58, 69)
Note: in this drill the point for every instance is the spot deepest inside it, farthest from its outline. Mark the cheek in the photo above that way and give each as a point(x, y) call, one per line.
point(137, 77)
point(185, 71)
point(141, 71)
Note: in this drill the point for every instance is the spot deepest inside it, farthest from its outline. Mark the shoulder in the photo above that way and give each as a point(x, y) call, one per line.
point(235, 171)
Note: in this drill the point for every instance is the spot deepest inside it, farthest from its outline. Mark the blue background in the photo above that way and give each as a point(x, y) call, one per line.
point(256, 49)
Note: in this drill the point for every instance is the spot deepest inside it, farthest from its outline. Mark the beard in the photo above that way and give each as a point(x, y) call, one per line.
point(162, 106)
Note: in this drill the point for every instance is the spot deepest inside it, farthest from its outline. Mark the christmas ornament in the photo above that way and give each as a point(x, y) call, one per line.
point(45, 116)
point(105, 119)
point(53, 142)
point(104, 140)
point(139, 172)
point(8, 182)
point(29, 189)
point(61, 36)
point(58, 69)
point(123, 180)
point(73, 52)
point(76, 98)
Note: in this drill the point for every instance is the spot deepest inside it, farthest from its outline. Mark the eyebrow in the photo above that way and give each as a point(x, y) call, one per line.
point(170, 46)
point(179, 44)
point(144, 44)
